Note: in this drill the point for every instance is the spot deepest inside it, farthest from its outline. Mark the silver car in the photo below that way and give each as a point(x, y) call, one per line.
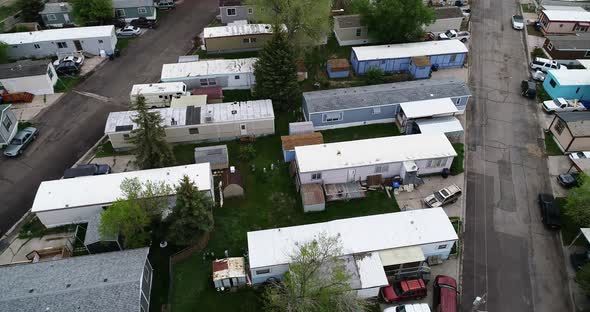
point(20, 141)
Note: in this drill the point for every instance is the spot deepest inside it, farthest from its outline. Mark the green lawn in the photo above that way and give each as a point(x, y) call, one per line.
point(537, 52)
point(528, 8)
point(106, 150)
point(237, 55)
point(360, 132)
point(569, 229)
point(122, 43)
point(7, 10)
point(237, 95)
point(459, 161)
point(65, 84)
point(550, 146)
point(533, 32)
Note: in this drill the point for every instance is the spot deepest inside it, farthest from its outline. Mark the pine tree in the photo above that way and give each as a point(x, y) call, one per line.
point(276, 73)
point(192, 215)
point(151, 148)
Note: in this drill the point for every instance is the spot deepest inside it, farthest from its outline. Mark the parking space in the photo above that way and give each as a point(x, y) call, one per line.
point(91, 63)
point(558, 165)
point(121, 163)
point(28, 111)
point(415, 199)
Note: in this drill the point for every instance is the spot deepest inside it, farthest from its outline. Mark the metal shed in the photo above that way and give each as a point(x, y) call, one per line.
point(216, 155)
point(338, 68)
point(300, 127)
point(312, 197)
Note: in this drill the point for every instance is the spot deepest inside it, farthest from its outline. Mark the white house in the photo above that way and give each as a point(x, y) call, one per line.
point(77, 200)
point(353, 161)
point(230, 74)
point(50, 42)
point(371, 245)
point(36, 77)
point(209, 122)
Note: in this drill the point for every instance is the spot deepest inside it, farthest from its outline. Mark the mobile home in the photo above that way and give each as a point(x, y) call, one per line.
point(78, 200)
point(562, 20)
point(9, 124)
point(374, 248)
point(349, 30)
point(357, 106)
point(407, 156)
point(36, 77)
point(571, 131)
point(568, 47)
point(206, 123)
point(51, 42)
point(129, 10)
point(568, 84)
point(158, 94)
point(236, 38)
point(235, 10)
point(396, 58)
point(230, 74)
point(57, 14)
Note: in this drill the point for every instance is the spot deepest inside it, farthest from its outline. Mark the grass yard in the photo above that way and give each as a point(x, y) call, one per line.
point(237, 95)
point(360, 132)
point(237, 55)
point(533, 32)
point(551, 147)
point(569, 229)
point(7, 10)
point(459, 161)
point(528, 8)
point(537, 52)
point(65, 84)
point(122, 43)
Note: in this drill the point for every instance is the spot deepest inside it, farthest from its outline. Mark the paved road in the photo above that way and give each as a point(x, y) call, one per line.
point(71, 126)
point(508, 254)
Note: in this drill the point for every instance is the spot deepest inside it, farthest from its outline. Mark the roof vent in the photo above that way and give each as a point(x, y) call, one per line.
point(68, 285)
point(338, 153)
point(233, 111)
point(31, 290)
point(105, 280)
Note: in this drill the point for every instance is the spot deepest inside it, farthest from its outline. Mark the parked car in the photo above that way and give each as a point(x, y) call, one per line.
point(404, 290)
point(77, 59)
point(417, 307)
point(67, 68)
point(568, 180)
point(454, 34)
point(444, 298)
point(128, 31)
point(579, 259)
point(144, 23)
point(20, 141)
point(528, 88)
point(563, 105)
point(549, 211)
point(87, 170)
point(165, 4)
point(466, 12)
point(545, 64)
point(446, 196)
point(539, 75)
point(579, 155)
point(517, 22)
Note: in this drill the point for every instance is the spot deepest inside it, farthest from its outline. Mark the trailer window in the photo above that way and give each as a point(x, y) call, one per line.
point(552, 83)
point(7, 123)
point(442, 246)
point(330, 117)
point(316, 176)
point(435, 163)
point(231, 12)
point(193, 131)
point(62, 45)
point(265, 271)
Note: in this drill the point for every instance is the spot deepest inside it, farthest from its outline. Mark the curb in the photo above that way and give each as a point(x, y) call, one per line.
point(91, 150)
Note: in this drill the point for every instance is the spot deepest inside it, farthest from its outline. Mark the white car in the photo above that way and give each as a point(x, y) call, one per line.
point(463, 36)
point(580, 155)
point(78, 60)
point(128, 31)
point(517, 22)
point(544, 64)
point(539, 75)
point(416, 307)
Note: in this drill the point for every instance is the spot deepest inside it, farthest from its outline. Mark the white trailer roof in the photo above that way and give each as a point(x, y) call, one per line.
point(105, 189)
point(158, 88)
point(208, 68)
point(427, 108)
point(393, 51)
point(177, 116)
point(57, 34)
point(573, 15)
point(237, 30)
point(571, 77)
point(447, 124)
point(357, 235)
point(333, 156)
point(371, 271)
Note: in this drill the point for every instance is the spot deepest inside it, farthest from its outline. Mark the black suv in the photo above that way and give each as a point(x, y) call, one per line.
point(86, 170)
point(143, 22)
point(67, 68)
point(549, 212)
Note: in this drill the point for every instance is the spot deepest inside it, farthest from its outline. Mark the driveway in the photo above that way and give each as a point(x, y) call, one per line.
point(72, 125)
point(508, 255)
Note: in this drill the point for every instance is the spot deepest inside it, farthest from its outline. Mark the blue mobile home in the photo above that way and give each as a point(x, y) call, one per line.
point(129, 10)
point(568, 84)
point(349, 107)
point(56, 14)
point(395, 58)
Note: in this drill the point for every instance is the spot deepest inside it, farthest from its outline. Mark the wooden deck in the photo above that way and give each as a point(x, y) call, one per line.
point(344, 191)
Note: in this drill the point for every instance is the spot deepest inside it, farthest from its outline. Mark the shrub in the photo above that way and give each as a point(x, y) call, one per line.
point(247, 152)
point(374, 76)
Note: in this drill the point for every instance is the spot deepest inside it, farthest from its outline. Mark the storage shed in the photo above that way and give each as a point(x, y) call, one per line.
point(214, 93)
point(411, 111)
point(354, 161)
point(76, 201)
point(357, 106)
point(300, 127)
point(367, 240)
point(236, 38)
point(230, 74)
point(338, 68)
point(450, 126)
point(568, 84)
point(95, 242)
point(312, 197)
point(208, 123)
point(229, 272)
point(396, 58)
point(349, 30)
point(216, 156)
point(568, 47)
point(420, 67)
point(232, 184)
point(50, 42)
point(571, 131)
point(36, 77)
point(289, 143)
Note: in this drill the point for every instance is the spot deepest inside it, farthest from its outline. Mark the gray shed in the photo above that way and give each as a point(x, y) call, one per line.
point(93, 241)
point(312, 197)
point(302, 127)
point(216, 155)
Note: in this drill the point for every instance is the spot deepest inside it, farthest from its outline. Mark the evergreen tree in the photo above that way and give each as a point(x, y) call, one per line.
point(30, 9)
point(192, 215)
point(276, 73)
point(151, 148)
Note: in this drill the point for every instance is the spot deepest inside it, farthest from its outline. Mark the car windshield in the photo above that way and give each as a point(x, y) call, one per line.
point(518, 19)
point(439, 197)
point(398, 289)
point(16, 142)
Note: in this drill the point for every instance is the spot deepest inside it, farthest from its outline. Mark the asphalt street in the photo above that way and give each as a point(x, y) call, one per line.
point(71, 126)
point(509, 256)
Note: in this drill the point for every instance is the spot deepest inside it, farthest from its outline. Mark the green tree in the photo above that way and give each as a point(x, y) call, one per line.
point(128, 219)
point(307, 21)
point(151, 196)
point(276, 73)
point(395, 21)
point(317, 280)
point(577, 202)
point(3, 53)
point(374, 75)
point(30, 9)
point(192, 215)
point(583, 278)
point(92, 12)
point(151, 149)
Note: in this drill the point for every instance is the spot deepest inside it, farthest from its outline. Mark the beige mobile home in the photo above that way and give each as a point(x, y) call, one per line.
point(230, 74)
point(349, 30)
point(158, 94)
point(571, 131)
point(210, 122)
point(236, 38)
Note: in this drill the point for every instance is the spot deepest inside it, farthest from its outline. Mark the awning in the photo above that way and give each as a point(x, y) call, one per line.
point(401, 255)
point(429, 108)
point(448, 124)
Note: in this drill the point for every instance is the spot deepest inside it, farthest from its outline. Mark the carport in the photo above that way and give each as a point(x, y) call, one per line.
point(410, 111)
point(404, 261)
point(450, 126)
